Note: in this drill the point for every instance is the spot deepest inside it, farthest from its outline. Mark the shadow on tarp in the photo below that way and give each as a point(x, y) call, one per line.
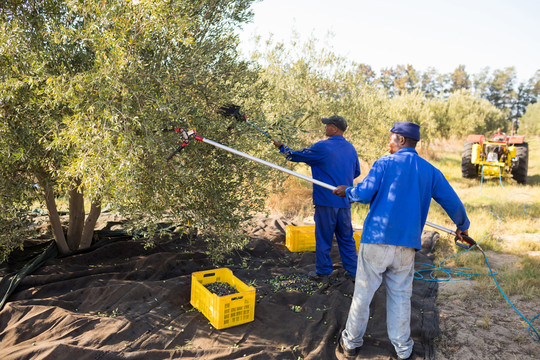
point(34, 253)
point(22, 263)
point(120, 300)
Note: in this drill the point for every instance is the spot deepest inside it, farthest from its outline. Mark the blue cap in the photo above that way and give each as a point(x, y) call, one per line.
point(407, 129)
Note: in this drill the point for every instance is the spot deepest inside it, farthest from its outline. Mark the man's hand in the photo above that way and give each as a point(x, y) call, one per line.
point(278, 144)
point(459, 233)
point(340, 190)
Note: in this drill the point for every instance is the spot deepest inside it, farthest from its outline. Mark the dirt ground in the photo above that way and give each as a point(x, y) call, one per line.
point(122, 301)
point(475, 328)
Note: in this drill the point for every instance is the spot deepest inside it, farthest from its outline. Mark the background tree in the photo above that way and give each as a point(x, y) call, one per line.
point(527, 93)
point(530, 122)
point(469, 114)
point(412, 107)
point(406, 79)
point(386, 81)
point(430, 83)
point(306, 83)
point(501, 91)
point(83, 87)
point(460, 79)
point(480, 83)
point(367, 73)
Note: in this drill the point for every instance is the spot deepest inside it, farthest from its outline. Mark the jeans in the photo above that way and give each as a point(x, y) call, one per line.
point(394, 264)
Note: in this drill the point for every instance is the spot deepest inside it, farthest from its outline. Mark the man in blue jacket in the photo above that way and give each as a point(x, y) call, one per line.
point(399, 189)
point(333, 161)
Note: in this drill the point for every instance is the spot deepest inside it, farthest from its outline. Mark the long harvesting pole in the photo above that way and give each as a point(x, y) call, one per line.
point(266, 163)
point(298, 175)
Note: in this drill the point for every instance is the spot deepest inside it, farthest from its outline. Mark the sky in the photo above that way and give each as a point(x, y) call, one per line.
point(441, 34)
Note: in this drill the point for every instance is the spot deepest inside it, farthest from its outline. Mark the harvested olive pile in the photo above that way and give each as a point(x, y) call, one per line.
point(296, 282)
point(221, 288)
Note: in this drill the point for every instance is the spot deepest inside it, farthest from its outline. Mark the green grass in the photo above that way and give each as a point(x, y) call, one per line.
point(515, 278)
point(504, 220)
point(499, 210)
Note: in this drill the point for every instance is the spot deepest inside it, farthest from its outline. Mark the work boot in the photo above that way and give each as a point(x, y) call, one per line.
point(411, 357)
point(317, 277)
point(349, 353)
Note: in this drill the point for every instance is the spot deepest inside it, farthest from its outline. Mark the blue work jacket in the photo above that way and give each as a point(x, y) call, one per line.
point(399, 189)
point(333, 161)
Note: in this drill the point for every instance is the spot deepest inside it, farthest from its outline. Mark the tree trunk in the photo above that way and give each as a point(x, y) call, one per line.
point(90, 224)
point(54, 218)
point(76, 217)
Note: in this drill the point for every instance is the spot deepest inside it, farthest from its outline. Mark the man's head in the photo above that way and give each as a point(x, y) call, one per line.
point(335, 125)
point(404, 134)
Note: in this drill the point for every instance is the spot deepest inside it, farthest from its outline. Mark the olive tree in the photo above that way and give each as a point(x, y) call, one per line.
point(530, 122)
point(464, 113)
point(307, 82)
point(85, 88)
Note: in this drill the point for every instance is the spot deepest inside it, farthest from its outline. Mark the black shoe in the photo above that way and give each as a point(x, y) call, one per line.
point(411, 357)
point(314, 276)
point(350, 277)
point(346, 351)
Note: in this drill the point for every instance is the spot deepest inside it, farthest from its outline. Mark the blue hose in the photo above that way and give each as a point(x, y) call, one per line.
point(452, 272)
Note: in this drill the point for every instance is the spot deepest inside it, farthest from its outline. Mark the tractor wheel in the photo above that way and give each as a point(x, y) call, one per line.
point(468, 169)
point(519, 172)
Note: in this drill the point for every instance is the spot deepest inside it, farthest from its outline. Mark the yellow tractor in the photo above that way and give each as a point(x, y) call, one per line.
point(499, 156)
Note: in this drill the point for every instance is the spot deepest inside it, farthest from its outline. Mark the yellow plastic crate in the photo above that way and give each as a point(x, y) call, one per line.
point(357, 237)
point(222, 311)
point(302, 238)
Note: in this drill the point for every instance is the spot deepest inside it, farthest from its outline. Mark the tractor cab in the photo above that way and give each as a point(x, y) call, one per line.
point(499, 137)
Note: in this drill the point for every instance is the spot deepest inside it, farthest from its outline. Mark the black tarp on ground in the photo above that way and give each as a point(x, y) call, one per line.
point(122, 301)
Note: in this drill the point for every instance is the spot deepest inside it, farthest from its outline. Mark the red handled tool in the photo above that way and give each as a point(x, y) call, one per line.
point(185, 135)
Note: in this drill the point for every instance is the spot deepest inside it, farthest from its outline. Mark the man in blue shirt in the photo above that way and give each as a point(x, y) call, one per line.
point(333, 161)
point(399, 189)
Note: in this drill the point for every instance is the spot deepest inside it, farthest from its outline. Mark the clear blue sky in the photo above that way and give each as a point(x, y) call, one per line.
point(442, 34)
